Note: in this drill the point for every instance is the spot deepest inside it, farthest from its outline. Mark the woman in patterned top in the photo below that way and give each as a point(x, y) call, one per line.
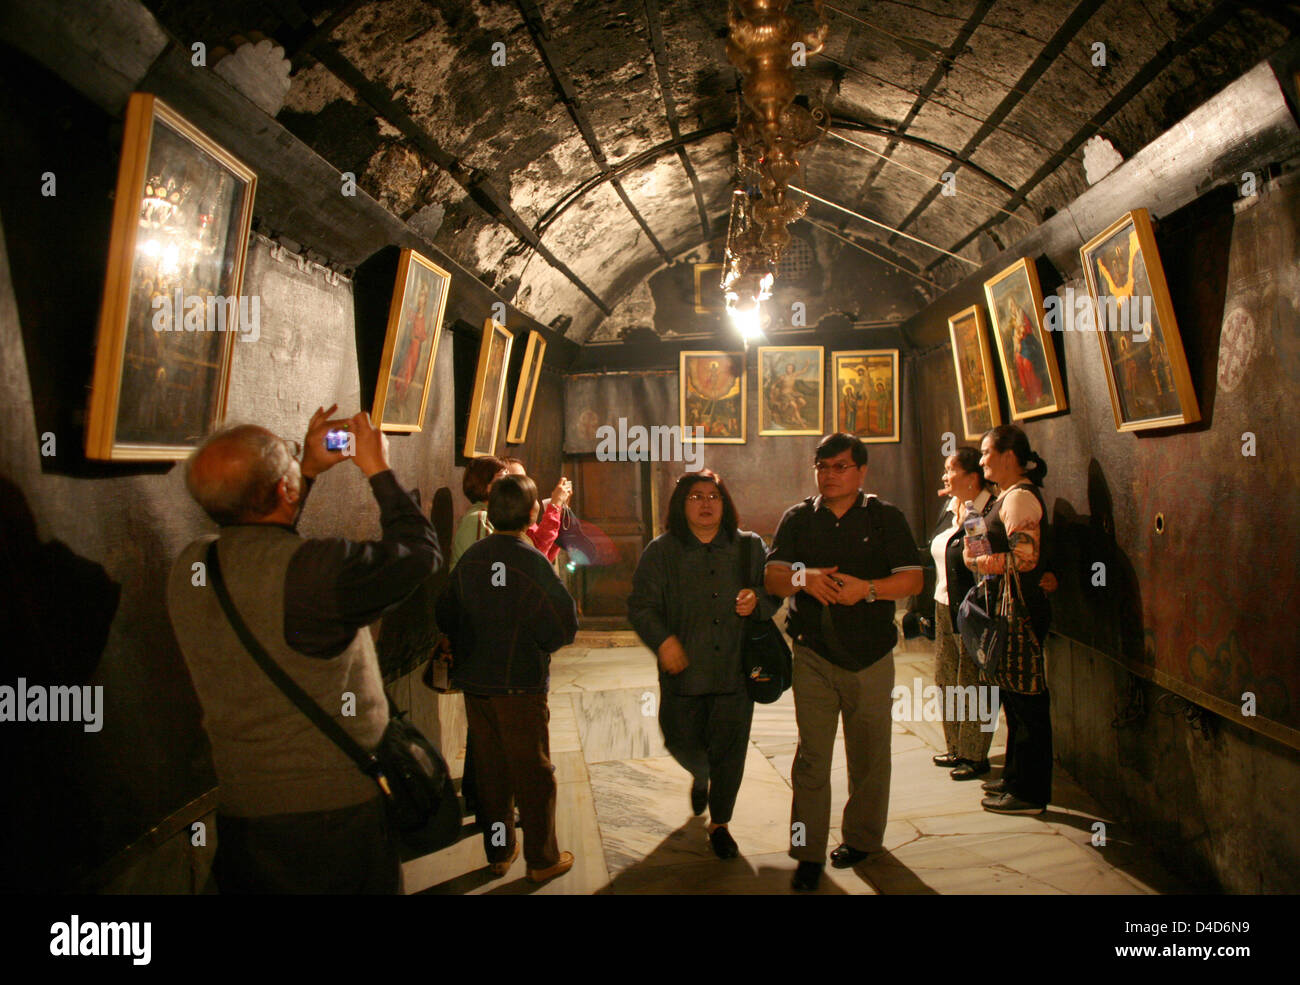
point(1017, 525)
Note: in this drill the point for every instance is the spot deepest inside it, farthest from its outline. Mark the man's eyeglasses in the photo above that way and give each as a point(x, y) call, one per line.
point(835, 468)
point(703, 498)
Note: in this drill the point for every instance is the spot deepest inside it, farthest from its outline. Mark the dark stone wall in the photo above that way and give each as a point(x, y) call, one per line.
point(1194, 609)
point(87, 546)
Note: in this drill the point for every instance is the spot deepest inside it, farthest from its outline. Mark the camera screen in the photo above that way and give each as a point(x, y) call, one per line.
point(337, 439)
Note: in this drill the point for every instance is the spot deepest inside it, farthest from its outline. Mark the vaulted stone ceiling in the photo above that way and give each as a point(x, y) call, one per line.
point(600, 150)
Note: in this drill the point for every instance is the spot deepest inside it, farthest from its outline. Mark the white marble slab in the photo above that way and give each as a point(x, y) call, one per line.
point(618, 724)
point(645, 821)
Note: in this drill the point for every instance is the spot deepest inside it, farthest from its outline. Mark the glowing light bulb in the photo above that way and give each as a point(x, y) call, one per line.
point(746, 320)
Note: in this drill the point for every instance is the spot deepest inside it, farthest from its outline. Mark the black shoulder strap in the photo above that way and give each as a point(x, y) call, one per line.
point(744, 557)
point(332, 729)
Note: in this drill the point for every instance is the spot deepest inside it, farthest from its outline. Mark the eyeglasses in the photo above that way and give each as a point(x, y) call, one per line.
point(703, 498)
point(835, 468)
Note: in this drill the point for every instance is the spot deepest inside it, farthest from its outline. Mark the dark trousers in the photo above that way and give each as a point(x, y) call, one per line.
point(512, 762)
point(708, 734)
point(351, 850)
point(468, 784)
point(1028, 770)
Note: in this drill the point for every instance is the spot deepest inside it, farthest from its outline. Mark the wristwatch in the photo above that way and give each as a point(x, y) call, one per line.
point(871, 595)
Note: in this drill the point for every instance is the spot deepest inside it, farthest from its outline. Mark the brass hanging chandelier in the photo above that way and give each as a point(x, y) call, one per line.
point(773, 126)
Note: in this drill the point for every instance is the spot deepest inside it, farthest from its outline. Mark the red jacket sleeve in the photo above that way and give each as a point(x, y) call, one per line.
point(544, 532)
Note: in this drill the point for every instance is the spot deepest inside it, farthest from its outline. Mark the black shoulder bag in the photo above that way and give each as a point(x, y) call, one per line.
point(765, 657)
point(418, 790)
point(995, 625)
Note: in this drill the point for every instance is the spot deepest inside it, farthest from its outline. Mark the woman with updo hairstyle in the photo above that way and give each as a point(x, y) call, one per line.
point(1017, 526)
point(964, 482)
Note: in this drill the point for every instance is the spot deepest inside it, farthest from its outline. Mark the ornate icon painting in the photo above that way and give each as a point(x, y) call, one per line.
point(866, 393)
point(712, 392)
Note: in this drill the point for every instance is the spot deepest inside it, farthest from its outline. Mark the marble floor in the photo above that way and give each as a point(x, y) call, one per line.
point(623, 808)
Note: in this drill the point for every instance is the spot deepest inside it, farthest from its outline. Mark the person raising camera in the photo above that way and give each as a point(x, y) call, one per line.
point(294, 813)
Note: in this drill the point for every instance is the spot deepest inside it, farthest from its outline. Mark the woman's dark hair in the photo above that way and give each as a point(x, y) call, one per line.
point(478, 477)
point(677, 524)
point(968, 460)
point(510, 503)
point(833, 444)
point(1008, 437)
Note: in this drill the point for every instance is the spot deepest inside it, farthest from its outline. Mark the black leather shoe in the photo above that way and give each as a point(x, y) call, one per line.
point(699, 799)
point(807, 877)
point(948, 760)
point(846, 856)
point(995, 786)
point(969, 770)
point(1009, 803)
point(724, 846)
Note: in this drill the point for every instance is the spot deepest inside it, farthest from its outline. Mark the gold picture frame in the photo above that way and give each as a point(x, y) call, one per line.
point(791, 389)
point(489, 390)
point(529, 378)
point(1146, 368)
point(414, 319)
point(1027, 355)
point(711, 395)
point(865, 394)
point(704, 272)
point(181, 220)
point(973, 361)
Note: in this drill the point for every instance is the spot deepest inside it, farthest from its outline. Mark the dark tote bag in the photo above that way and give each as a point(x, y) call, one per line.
point(765, 657)
point(997, 632)
point(419, 794)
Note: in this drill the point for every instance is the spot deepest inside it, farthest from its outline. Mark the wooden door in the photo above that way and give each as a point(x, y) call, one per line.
point(614, 498)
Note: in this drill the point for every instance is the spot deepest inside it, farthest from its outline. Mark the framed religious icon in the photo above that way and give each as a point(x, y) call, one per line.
point(1027, 355)
point(974, 363)
point(790, 389)
point(865, 394)
point(489, 390)
point(712, 396)
point(1146, 368)
point(172, 306)
point(522, 411)
point(708, 288)
point(411, 343)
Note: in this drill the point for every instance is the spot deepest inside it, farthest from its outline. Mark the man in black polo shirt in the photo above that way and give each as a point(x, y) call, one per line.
point(845, 557)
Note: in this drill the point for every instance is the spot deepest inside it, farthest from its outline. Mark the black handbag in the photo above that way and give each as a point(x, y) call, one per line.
point(574, 540)
point(419, 794)
point(996, 629)
point(765, 657)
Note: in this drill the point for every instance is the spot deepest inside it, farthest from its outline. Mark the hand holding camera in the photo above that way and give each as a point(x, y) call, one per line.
point(329, 442)
point(371, 445)
point(562, 492)
point(319, 452)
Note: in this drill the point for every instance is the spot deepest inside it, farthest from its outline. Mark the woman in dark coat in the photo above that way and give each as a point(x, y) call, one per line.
point(688, 604)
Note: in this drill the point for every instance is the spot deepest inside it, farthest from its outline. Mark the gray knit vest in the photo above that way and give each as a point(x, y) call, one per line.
point(269, 757)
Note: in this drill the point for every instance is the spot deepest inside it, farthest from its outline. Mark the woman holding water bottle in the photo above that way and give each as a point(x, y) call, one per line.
point(1017, 527)
point(971, 498)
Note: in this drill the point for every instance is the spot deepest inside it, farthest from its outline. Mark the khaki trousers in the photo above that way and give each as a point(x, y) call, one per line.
point(823, 694)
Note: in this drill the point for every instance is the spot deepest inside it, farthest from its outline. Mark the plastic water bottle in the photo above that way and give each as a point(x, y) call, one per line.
point(977, 534)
